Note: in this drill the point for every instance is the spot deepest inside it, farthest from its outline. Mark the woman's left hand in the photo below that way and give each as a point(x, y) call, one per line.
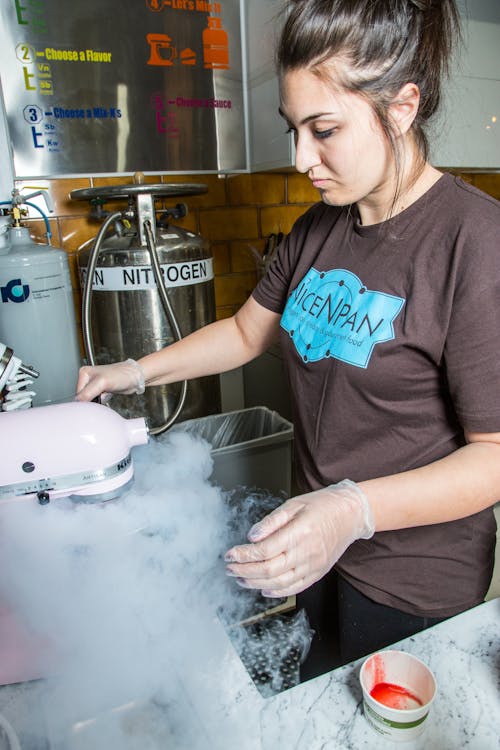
point(296, 544)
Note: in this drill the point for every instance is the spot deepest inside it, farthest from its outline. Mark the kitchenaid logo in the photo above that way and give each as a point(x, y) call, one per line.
point(15, 291)
point(332, 314)
point(142, 277)
point(124, 463)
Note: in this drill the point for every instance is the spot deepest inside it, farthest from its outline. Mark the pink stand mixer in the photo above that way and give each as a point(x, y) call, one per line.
point(76, 449)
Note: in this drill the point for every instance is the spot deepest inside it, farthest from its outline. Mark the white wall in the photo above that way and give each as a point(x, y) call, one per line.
point(467, 131)
point(466, 134)
point(6, 165)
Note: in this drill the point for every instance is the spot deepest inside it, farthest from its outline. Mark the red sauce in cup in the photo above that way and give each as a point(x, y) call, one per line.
point(394, 696)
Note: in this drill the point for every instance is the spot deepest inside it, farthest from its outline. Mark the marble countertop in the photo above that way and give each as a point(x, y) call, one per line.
point(464, 654)
point(217, 707)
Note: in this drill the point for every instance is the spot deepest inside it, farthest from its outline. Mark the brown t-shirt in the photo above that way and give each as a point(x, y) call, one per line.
point(391, 337)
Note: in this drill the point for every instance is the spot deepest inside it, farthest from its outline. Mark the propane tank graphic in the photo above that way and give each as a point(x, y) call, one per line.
point(37, 315)
point(215, 45)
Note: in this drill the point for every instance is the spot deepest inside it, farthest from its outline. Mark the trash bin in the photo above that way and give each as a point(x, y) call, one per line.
point(250, 448)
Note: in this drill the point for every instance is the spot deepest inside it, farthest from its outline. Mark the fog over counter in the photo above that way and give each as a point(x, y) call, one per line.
point(124, 600)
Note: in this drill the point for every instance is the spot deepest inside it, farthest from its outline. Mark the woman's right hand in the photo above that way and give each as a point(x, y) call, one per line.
point(121, 377)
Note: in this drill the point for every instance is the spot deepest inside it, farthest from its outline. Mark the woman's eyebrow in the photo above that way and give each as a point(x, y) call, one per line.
point(316, 116)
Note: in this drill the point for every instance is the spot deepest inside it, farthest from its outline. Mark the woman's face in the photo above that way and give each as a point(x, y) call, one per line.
point(339, 143)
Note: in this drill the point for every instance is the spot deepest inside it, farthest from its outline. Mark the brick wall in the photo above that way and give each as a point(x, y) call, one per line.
point(236, 215)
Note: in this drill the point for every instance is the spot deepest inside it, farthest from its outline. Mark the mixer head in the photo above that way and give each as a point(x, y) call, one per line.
point(69, 449)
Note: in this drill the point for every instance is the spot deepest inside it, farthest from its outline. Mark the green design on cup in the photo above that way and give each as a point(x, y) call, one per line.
point(394, 724)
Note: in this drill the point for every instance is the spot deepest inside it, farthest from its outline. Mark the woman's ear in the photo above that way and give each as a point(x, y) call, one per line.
point(404, 107)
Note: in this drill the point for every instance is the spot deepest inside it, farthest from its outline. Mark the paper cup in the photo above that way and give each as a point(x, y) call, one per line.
point(391, 681)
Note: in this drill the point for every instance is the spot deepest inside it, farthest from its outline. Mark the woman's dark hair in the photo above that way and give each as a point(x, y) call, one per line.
point(380, 45)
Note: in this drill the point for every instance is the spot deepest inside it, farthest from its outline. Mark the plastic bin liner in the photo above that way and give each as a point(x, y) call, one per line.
point(251, 447)
point(233, 428)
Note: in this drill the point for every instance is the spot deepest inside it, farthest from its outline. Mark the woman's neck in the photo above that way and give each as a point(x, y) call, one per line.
point(378, 208)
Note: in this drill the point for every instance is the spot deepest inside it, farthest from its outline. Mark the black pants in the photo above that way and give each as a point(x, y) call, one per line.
point(349, 625)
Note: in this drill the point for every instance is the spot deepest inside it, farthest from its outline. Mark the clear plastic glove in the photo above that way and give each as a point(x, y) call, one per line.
point(296, 544)
point(121, 377)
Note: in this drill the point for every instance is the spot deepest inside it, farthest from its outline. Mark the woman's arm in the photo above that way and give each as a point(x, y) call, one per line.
point(463, 483)
point(215, 348)
point(296, 544)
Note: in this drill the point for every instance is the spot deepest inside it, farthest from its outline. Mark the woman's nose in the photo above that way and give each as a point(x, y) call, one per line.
point(306, 154)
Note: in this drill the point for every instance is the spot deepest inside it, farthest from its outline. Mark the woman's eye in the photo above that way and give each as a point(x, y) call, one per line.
point(324, 133)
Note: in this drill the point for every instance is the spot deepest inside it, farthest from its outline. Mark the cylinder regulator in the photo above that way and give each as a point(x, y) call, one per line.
point(147, 283)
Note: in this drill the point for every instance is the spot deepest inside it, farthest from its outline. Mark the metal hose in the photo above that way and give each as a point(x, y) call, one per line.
point(86, 306)
point(87, 289)
point(172, 320)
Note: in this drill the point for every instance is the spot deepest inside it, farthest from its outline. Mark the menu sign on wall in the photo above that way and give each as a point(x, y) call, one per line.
point(96, 86)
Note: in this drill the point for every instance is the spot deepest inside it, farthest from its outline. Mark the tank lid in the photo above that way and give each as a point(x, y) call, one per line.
point(127, 191)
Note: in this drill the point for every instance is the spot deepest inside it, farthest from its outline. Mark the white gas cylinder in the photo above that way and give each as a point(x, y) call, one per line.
point(37, 316)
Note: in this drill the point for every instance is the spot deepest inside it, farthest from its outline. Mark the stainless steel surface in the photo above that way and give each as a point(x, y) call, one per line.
point(5, 358)
point(107, 88)
point(162, 291)
point(128, 318)
point(30, 371)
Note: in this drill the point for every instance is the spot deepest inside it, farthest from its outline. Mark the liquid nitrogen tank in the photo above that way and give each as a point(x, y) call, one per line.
point(152, 283)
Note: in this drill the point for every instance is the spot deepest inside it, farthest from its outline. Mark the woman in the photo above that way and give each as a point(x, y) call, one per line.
point(386, 297)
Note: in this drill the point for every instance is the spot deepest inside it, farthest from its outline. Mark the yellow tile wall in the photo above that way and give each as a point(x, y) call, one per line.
point(236, 214)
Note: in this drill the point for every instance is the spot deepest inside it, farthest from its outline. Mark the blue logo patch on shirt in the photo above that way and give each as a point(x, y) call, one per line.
point(331, 314)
